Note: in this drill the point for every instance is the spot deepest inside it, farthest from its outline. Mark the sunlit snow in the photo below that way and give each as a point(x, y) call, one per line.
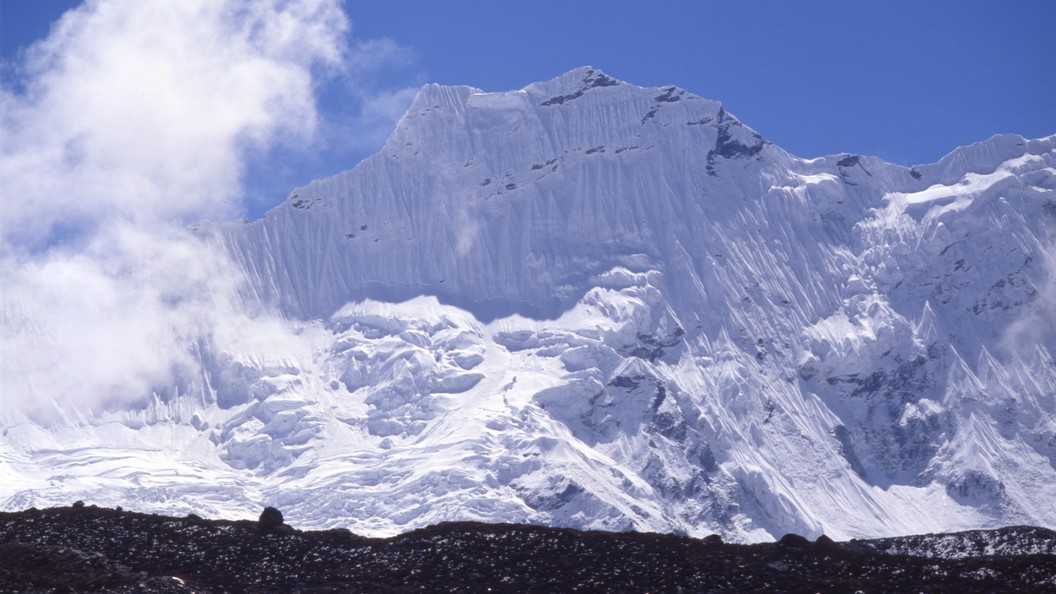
point(591, 304)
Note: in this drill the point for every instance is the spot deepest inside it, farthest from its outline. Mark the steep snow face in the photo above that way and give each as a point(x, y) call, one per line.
point(591, 304)
point(508, 203)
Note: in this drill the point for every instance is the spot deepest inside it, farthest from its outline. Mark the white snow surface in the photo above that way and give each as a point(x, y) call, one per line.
point(591, 304)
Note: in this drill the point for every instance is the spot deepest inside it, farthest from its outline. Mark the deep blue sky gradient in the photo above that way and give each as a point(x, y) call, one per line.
point(907, 81)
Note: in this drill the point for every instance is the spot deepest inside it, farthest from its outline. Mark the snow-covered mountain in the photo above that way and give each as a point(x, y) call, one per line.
point(591, 304)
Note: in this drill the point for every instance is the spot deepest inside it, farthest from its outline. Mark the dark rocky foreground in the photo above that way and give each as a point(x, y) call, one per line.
point(90, 549)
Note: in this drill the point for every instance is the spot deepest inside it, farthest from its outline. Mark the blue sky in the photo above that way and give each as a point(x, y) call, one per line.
point(906, 81)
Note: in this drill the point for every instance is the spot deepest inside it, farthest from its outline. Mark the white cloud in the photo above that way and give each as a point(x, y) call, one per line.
point(110, 324)
point(141, 110)
point(132, 120)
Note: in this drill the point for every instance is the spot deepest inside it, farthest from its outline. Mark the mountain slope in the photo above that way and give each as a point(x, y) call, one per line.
point(591, 304)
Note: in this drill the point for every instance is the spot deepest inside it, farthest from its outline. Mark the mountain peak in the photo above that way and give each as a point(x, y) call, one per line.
point(560, 91)
point(486, 157)
point(571, 85)
point(593, 304)
point(556, 91)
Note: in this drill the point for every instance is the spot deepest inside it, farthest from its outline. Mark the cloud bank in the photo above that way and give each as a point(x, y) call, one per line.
point(128, 122)
point(141, 111)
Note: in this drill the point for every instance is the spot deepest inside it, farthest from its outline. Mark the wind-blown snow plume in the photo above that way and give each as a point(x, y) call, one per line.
point(131, 120)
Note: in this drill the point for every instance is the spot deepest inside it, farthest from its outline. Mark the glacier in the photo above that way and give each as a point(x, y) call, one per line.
point(591, 304)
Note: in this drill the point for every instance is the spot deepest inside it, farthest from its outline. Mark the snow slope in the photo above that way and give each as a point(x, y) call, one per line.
point(591, 304)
